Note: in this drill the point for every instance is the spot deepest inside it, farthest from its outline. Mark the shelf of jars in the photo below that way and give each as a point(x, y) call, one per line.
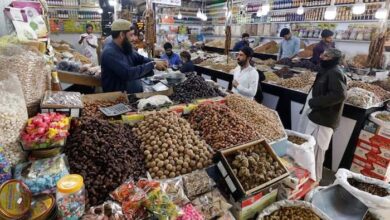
point(294, 4)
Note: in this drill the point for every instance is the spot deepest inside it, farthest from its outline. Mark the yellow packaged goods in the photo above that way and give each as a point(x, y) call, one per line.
point(15, 200)
point(42, 207)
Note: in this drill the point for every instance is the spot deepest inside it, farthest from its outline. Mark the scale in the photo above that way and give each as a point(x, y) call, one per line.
point(115, 110)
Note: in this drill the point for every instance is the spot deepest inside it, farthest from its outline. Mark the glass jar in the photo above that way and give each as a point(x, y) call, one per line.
point(70, 197)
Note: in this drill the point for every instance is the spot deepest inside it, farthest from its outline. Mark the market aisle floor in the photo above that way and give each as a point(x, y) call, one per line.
point(328, 177)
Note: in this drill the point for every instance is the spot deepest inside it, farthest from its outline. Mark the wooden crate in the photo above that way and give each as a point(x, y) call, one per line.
point(232, 181)
point(109, 96)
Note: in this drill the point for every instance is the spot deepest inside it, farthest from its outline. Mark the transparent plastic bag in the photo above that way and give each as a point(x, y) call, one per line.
point(31, 69)
point(211, 204)
point(41, 176)
point(62, 99)
point(108, 210)
point(175, 190)
point(197, 183)
point(362, 98)
point(5, 167)
point(190, 213)
point(13, 116)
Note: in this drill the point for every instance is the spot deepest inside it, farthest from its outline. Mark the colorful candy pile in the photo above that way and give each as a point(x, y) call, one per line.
point(45, 130)
point(5, 167)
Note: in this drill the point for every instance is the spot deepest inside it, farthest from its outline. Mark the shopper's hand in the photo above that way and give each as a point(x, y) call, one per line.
point(161, 65)
point(235, 83)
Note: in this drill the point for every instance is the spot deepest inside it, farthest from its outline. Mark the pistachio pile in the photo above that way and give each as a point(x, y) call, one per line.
point(220, 127)
point(296, 140)
point(265, 121)
point(382, 94)
point(170, 146)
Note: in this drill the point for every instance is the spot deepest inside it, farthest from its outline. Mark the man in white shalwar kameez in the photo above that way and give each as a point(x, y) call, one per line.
point(324, 105)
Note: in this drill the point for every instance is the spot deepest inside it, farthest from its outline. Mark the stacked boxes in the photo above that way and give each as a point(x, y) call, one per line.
point(372, 154)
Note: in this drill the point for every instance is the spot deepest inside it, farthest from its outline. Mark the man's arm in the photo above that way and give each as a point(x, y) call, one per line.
point(280, 50)
point(123, 70)
point(81, 39)
point(337, 93)
point(237, 46)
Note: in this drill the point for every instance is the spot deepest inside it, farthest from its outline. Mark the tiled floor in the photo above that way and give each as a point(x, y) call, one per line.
point(327, 177)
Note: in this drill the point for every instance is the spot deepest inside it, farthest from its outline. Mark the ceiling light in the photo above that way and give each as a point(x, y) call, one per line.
point(300, 10)
point(179, 16)
point(242, 5)
point(112, 2)
point(100, 11)
point(198, 14)
point(381, 13)
point(358, 8)
point(330, 12)
point(259, 12)
point(166, 17)
point(266, 8)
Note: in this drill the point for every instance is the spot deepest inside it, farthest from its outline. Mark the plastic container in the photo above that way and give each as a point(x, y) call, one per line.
point(70, 197)
point(42, 207)
point(15, 200)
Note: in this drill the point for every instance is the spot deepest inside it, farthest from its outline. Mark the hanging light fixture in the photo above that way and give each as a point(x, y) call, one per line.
point(100, 11)
point(358, 8)
point(265, 8)
point(259, 12)
point(382, 13)
point(166, 17)
point(331, 12)
point(198, 14)
point(300, 10)
point(112, 2)
point(179, 16)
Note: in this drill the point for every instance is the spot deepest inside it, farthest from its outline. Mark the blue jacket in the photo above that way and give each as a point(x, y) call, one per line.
point(187, 67)
point(121, 72)
point(174, 59)
point(239, 45)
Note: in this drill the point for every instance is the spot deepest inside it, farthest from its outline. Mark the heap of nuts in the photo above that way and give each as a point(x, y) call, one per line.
point(293, 213)
point(170, 146)
point(296, 139)
point(91, 109)
point(368, 187)
point(384, 116)
point(105, 154)
point(254, 166)
point(299, 82)
point(220, 127)
point(265, 121)
point(382, 94)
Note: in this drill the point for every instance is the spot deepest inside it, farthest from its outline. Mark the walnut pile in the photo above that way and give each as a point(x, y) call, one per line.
point(265, 121)
point(296, 140)
point(170, 146)
point(254, 166)
point(292, 213)
point(220, 127)
point(382, 94)
point(299, 82)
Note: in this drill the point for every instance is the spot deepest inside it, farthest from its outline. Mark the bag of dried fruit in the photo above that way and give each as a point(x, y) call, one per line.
point(301, 148)
point(374, 193)
point(382, 119)
point(13, 115)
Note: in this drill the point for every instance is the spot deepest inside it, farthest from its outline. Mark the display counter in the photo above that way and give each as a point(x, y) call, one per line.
point(257, 55)
point(78, 79)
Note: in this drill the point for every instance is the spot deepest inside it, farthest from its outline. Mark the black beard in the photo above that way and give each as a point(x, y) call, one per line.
point(241, 63)
point(326, 64)
point(126, 46)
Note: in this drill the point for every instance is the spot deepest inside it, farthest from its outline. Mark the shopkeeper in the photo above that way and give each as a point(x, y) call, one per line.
point(122, 67)
point(172, 58)
point(244, 42)
point(245, 76)
point(187, 65)
point(324, 44)
point(89, 43)
point(324, 104)
point(290, 45)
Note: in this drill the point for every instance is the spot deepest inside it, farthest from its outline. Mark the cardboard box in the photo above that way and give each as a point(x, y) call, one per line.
point(233, 183)
point(370, 168)
point(109, 96)
point(248, 207)
point(70, 111)
point(375, 128)
point(298, 175)
point(307, 187)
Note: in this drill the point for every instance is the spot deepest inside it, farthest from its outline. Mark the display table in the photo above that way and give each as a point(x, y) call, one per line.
point(288, 103)
point(257, 55)
point(78, 79)
point(215, 74)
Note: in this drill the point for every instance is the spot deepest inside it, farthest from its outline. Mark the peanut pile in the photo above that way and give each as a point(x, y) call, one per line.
point(296, 140)
point(265, 121)
point(299, 82)
point(220, 127)
point(293, 213)
point(382, 94)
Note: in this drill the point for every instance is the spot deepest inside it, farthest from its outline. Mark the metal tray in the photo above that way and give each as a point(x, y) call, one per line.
point(338, 203)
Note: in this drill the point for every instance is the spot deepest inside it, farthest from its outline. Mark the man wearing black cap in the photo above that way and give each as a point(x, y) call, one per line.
point(325, 43)
point(290, 45)
point(122, 67)
point(324, 104)
point(246, 77)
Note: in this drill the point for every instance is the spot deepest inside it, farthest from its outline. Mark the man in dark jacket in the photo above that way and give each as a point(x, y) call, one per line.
point(187, 65)
point(325, 43)
point(326, 102)
point(244, 42)
point(122, 67)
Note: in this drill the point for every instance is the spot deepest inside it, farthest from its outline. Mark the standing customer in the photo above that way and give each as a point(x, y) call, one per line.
point(172, 58)
point(246, 77)
point(122, 67)
point(324, 44)
point(188, 66)
point(89, 43)
point(290, 45)
point(325, 104)
point(244, 42)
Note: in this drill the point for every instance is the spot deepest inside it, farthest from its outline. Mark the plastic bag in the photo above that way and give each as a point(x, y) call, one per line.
point(211, 204)
point(175, 190)
point(291, 203)
point(41, 176)
point(190, 213)
point(107, 211)
point(5, 167)
point(32, 71)
point(362, 98)
point(197, 183)
point(13, 116)
point(303, 154)
point(376, 204)
point(154, 101)
point(62, 99)
point(381, 118)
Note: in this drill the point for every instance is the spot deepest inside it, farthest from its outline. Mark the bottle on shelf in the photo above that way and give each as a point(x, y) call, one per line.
point(55, 82)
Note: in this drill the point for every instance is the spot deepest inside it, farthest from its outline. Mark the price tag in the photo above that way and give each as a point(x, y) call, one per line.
point(115, 110)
